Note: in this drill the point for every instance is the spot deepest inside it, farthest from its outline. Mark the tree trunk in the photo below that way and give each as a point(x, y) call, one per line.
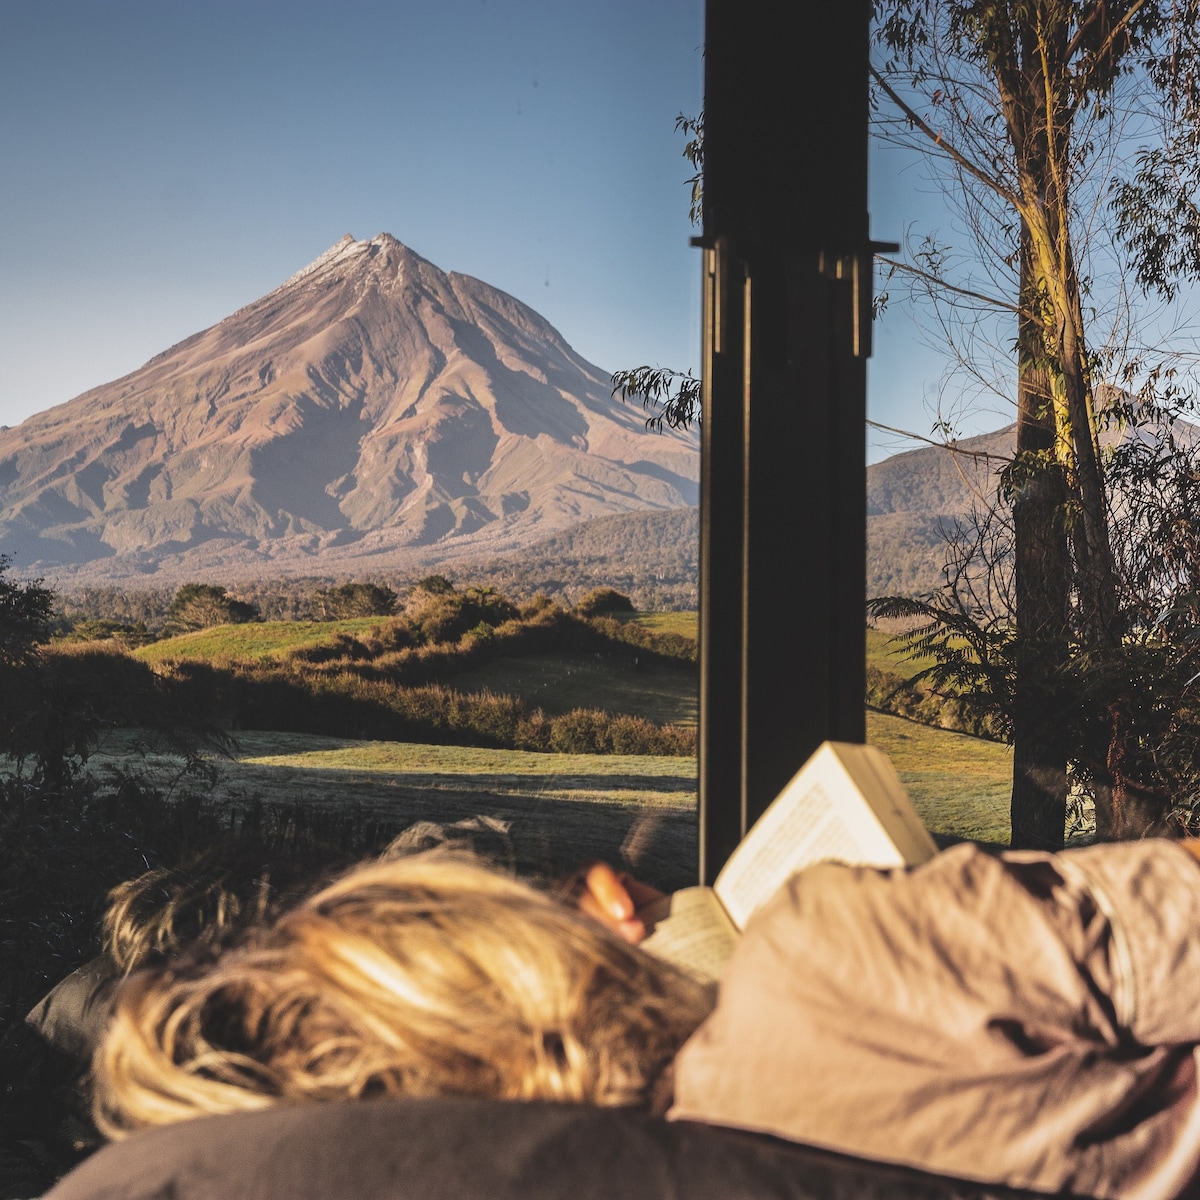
point(1042, 589)
point(1125, 809)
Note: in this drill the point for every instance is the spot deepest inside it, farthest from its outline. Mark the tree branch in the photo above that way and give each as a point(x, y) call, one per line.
point(937, 139)
point(953, 447)
point(1074, 43)
point(929, 277)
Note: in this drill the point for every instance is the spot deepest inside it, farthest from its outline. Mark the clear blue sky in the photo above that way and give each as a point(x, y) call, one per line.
point(165, 162)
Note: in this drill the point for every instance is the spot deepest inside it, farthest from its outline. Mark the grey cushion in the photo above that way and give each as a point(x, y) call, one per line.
point(73, 1015)
point(464, 1149)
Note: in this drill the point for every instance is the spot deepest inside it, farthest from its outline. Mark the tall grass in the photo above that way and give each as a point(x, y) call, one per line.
point(60, 852)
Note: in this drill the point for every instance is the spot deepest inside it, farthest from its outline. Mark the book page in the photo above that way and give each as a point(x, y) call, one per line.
point(696, 936)
point(821, 814)
point(879, 783)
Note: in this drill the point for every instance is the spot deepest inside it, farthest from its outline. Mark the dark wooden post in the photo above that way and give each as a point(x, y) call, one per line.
point(787, 267)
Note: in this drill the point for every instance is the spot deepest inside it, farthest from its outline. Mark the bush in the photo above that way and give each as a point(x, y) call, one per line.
point(354, 600)
point(101, 629)
point(892, 693)
point(665, 645)
point(201, 605)
point(450, 615)
point(603, 600)
point(55, 708)
point(436, 585)
point(591, 731)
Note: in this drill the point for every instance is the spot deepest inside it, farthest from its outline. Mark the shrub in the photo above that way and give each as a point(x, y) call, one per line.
point(101, 629)
point(603, 600)
point(436, 585)
point(666, 645)
point(55, 708)
point(448, 616)
point(591, 731)
point(892, 693)
point(354, 600)
point(201, 605)
point(535, 606)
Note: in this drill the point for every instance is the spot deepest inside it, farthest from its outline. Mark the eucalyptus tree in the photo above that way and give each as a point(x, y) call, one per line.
point(1031, 110)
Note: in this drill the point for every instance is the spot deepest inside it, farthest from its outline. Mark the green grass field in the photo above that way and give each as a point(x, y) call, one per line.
point(258, 641)
point(686, 624)
point(255, 641)
point(562, 808)
point(959, 784)
point(272, 639)
point(661, 692)
point(881, 651)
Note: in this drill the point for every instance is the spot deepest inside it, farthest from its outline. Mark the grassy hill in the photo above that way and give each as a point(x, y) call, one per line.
point(458, 667)
point(257, 641)
point(557, 680)
point(292, 679)
point(914, 498)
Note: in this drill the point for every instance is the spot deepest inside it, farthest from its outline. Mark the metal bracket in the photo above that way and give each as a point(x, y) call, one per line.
point(848, 268)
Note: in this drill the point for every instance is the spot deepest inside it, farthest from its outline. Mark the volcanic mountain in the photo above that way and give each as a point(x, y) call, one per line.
point(370, 408)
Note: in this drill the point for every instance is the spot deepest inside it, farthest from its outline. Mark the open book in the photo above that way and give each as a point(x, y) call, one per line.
point(846, 803)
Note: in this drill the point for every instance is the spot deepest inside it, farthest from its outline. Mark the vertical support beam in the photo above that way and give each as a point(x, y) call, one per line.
point(787, 280)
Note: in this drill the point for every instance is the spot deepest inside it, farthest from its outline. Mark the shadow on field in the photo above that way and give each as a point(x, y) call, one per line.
point(548, 835)
point(533, 784)
point(642, 820)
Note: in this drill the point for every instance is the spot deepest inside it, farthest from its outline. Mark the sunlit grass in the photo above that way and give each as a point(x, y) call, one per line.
point(960, 785)
point(255, 641)
point(397, 759)
point(884, 652)
point(686, 624)
point(303, 768)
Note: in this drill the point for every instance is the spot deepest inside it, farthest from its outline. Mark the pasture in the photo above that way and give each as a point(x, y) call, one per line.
point(560, 808)
point(557, 683)
point(256, 641)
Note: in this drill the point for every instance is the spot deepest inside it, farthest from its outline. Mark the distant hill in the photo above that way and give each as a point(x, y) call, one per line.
point(371, 413)
point(651, 557)
point(915, 497)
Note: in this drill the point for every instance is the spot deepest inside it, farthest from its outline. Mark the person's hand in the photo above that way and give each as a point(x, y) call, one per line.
point(615, 899)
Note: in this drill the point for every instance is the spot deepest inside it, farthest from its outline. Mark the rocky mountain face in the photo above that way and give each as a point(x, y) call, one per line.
point(370, 410)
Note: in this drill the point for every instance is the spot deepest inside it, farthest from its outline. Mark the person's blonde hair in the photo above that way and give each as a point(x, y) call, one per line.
point(154, 915)
point(207, 897)
point(426, 975)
